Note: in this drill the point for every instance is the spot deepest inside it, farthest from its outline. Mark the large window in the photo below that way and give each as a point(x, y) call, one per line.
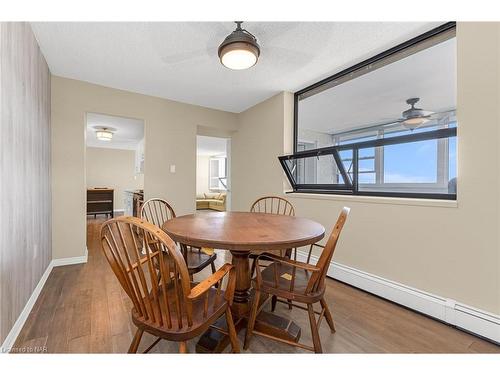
point(386, 126)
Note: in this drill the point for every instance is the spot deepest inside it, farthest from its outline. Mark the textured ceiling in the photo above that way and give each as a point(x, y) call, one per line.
point(179, 61)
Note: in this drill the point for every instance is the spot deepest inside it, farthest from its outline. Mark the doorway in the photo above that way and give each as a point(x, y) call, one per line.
point(114, 163)
point(213, 173)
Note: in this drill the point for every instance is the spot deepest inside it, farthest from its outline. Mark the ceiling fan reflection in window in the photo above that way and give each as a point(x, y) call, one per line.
point(414, 117)
point(411, 119)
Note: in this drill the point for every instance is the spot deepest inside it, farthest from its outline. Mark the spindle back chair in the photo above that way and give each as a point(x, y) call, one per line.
point(273, 205)
point(289, 280)
point(157, 211)
point(153, 273)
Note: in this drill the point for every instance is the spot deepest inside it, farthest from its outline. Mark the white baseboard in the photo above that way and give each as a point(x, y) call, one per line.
point(18, 325)
point(466, 317)
point(72, 260)
point(119, 211)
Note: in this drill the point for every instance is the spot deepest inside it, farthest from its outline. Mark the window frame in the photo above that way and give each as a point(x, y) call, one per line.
point(352, 187)
point(444, 32)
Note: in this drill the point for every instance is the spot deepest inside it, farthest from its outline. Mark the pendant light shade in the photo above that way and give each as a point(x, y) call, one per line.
point(104, 134)
point(239, 50)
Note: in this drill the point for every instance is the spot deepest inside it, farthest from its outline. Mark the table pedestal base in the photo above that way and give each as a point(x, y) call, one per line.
point(213, 341)
point(275, 325)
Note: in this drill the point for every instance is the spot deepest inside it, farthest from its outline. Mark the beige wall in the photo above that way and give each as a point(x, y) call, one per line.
point(255, 149)
point(453, 252)
point(170, 138)
point(113, 168)
point(25, 233)
point(202, 174)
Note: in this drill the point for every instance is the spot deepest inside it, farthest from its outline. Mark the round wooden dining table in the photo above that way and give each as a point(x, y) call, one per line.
point(243, 233)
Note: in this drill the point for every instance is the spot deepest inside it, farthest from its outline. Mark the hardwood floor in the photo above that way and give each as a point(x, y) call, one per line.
point(82, 309)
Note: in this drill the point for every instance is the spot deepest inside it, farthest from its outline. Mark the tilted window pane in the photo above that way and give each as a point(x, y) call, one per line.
point(318, 170)
point(314, 170)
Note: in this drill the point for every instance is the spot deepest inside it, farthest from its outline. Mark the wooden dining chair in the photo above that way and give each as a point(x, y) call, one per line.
point(299, 282)
point(166, 303)
point(157, 211)
point(272, 205)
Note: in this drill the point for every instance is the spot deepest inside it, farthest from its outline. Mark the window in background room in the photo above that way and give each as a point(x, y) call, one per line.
point(218, 173)
point(355, 135)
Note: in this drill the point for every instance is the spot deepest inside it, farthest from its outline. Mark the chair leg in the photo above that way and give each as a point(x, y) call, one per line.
point(314, 329)
point(274, 299)
point(232, 331)
point(183, 347)
point(152, 345)
point(135, 341)
point(252, 269)
point(288, 254)
point(251, 319)
point(328, 315)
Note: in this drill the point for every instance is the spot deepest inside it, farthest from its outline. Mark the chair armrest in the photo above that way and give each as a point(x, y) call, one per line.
point(200, 289)
point(293, 263)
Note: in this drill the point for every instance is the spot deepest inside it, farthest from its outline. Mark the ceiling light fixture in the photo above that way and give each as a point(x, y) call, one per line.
point(239, 50)
point(414, 117)
point(104, 134)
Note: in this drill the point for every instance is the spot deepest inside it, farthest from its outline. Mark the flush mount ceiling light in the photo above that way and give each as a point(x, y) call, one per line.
point(239, 50)
point(414, 117)
point(104, 134)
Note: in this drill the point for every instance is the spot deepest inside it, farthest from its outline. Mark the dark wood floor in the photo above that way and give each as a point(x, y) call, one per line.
point(82, 309)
